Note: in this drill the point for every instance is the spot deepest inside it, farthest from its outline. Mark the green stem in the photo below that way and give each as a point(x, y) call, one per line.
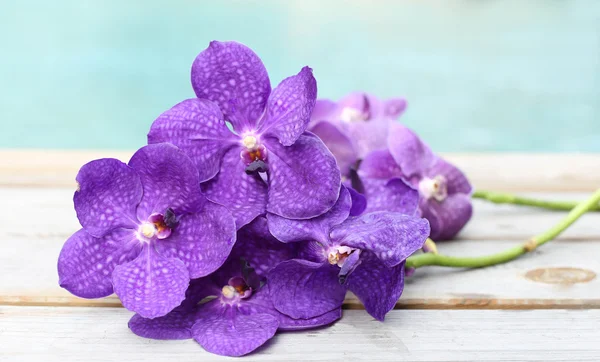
point(506, 198)
point(424, 259)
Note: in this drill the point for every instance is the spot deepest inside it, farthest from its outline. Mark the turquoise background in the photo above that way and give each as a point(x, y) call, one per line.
point(479, 75)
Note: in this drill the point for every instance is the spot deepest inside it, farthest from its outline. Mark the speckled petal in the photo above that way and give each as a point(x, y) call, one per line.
point(339, 144)
point(197, 127)
point(169, 179)
point(107, 196)
point(359, 202)
point(457, 182)
point(412, 155)
point(289, 107)
point(303, 289)
point(394, 107)
point(234, 77)
point(394, 195)
point(287, 323)
point(380, 165)
point(244, 195)
point(177, 324)
point(259, 248)
point(447, 218)
point(225, 331)
point(202, 240)
point(151, 285)
point(376, 285)
point(304, 180)
point(316, 228)
point(86, 263)
point(391, 236)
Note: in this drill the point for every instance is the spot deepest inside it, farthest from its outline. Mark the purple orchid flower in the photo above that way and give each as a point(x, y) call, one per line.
point(147, 230)
point(354, 126)
point(445, 192)
point(237, 315)
point(340, 251)
point(266, 137)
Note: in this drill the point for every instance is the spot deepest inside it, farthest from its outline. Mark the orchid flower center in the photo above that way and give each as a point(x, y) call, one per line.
point(351, 115)
point(436, 188)
point(158, 225)
point(254, 154)
point(236, 288)
point(337, 255)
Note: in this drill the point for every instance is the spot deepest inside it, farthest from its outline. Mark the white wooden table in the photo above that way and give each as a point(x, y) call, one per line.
point(542, 307)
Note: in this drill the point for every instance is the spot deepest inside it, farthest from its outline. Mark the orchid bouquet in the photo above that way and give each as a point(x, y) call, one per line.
point(254, 210)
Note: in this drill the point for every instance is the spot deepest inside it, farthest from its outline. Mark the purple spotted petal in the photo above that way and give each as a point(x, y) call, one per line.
point(411, 154)
point(304, 289)
point(394, 195)
point(287, 323)
point(393, 237)
point(108, 194)
point(289, 107)
point(259, 248)
point(234, 77)
point(224, 330)
point(376, 285)
point(202, 240)
point(338, 143)
point(304, 180)
point(380, 165)
point(316, 228)
point(394, 107)
point(197, 127)
point(244, 195)
point(457, 182)
point(169, 179)
point(359, 202)
point(86, 263)
point(448, 217)
point(151, 285)
point(177, 324)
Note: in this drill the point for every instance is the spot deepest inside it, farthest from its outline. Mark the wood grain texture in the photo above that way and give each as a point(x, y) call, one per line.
point(101, 334)
point(496, 171)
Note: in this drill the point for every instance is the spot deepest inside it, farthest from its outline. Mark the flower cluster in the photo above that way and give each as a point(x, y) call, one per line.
point(236, 222)
point(383, 159)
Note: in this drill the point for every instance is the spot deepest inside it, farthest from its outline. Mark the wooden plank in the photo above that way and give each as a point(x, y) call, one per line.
point(497, 171)
point(100, 334)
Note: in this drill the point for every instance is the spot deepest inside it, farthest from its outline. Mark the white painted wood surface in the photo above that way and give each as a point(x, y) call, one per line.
point(516, 311)
point(100, 334)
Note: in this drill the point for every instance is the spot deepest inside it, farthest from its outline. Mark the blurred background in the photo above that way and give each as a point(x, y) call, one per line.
point(479, 75)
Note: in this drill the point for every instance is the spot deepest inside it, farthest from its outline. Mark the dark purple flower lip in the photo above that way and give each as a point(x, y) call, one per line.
point(346, 258)
point(158, 225)
point(436, 188)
